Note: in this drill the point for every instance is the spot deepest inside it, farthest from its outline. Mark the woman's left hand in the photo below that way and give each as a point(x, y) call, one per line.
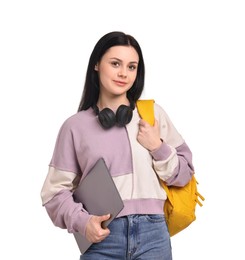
point(149, 136)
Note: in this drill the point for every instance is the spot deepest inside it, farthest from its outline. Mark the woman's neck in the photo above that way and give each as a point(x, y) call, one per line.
point(112, 103)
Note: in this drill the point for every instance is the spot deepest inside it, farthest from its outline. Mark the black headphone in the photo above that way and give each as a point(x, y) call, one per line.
point(108, 118)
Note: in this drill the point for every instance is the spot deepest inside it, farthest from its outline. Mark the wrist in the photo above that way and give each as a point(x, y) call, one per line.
point(156, 146)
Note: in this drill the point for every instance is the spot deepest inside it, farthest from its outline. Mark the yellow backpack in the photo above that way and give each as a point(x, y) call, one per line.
point(179, 208)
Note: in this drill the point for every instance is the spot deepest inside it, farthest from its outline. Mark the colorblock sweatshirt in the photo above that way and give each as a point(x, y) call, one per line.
point(81, 141)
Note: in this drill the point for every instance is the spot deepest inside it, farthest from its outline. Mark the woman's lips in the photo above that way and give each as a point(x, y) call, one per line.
point(120, 83)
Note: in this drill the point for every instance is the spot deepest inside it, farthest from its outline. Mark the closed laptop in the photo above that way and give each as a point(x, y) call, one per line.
point(99, 196)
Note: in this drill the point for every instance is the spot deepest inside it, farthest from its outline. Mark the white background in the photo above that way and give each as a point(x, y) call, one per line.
point(195, 68)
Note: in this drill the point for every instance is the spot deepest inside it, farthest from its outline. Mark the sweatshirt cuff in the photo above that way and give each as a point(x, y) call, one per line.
point(162, 153)
point(80, 223)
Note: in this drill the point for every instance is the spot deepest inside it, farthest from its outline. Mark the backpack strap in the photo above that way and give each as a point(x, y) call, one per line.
point(145, 109)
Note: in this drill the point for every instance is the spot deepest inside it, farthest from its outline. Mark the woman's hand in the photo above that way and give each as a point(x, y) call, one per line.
point(94, 231)
point(149, 136)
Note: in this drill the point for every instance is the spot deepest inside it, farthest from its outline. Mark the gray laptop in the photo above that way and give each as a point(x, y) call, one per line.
point(99, 196)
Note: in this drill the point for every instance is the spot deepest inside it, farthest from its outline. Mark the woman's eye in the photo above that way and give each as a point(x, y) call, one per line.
point(132, 67)
point(115, 64)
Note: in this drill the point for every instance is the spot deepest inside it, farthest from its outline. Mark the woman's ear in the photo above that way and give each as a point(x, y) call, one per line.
point(96, 67)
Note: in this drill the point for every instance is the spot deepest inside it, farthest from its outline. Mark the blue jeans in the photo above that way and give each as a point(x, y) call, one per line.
point(134, 237)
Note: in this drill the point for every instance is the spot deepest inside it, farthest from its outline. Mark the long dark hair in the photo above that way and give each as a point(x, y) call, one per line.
point(91, 87)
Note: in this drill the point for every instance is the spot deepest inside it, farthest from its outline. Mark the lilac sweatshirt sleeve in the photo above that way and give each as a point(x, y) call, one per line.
point(184, 170)
point(57, 189)
point(67, 214)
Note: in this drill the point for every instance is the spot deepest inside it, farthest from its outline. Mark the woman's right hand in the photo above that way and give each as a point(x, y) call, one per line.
point(95, 233)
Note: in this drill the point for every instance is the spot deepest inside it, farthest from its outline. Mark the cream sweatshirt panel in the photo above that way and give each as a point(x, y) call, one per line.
point(56, 181)
point(145, 182)
point(168, 132)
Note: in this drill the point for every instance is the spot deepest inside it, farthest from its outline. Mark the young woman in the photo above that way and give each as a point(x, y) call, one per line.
point(137, 154)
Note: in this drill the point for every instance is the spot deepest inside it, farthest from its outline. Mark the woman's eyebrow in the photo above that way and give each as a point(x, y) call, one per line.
point(114, 58)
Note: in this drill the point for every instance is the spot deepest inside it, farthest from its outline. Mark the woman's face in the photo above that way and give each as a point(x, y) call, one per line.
point(117, 70)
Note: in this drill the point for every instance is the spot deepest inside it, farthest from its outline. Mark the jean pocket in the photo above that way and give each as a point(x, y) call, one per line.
point(155, 218)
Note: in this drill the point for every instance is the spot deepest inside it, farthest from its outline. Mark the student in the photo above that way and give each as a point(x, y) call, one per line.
point(107, 125)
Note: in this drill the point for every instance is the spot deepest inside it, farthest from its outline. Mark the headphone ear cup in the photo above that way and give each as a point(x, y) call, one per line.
point(124, 115)
point(107, 118)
